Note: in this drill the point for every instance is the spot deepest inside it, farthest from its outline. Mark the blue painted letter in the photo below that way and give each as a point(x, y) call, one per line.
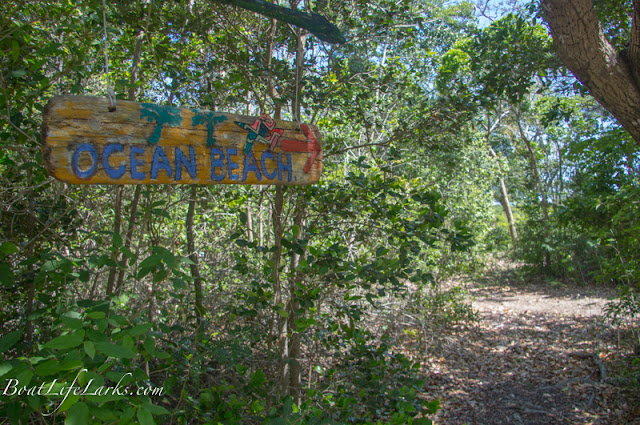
point(114, 173)
point(85, 147)
point(160, 160)
point(282, 167)
point(250, 167)
point(217, 163)
point(265, 155)
point(190, 164)
point(232, 165)
point(135, 162)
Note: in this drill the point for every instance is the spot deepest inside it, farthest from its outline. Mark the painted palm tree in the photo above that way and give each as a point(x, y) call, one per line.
point(202, 117)
point(161, 114)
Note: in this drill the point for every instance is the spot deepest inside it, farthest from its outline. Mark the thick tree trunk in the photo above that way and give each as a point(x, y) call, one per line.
point(581, 44)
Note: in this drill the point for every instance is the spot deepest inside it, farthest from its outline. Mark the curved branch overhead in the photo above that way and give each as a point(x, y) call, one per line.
point(316, 24)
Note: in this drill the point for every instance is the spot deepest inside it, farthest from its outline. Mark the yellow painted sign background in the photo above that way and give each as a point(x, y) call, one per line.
point(140, 143)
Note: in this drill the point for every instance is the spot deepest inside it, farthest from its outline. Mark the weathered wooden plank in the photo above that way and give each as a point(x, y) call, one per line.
point(142, 143)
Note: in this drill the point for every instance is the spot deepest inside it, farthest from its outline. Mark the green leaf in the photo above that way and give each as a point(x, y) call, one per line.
point(19, 73)
point(69, 402)
point(96, 315)
point(5, 368)
point(160, 276)
point(52, 366)
point(9, 340)
point(151, 261)
point(84, 276)
point(8, 248)
point(78, 415)
point(71, 322)
point(115, 350)
point(90, 349)
point(139, 329)
point(144, 416)
point(127, 252)
point(117, 240)
point(65, 342)
point(7, 278)
point(156, 410)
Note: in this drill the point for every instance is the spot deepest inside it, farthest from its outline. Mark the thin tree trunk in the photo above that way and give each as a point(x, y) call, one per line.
point(117, 224)
point(249, 222)
point(504, 200)
point(193, 256)
point(295, 370)
point(536, 174)
point(133, 209)
point(541, 190)
point(301, 42)
point(31, 295)
point(283, 339)
point(504, 195)
point(273, 93)
point(260, 221)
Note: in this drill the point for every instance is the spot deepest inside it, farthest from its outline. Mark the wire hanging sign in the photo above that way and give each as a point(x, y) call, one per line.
point(145, 143)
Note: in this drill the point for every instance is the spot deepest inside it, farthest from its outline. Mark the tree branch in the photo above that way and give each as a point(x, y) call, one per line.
point(316, 24)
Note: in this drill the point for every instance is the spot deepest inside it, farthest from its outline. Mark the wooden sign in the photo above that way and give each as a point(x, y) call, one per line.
point(144, 143)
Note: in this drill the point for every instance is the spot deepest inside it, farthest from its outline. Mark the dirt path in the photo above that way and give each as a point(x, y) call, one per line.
point(539, 355)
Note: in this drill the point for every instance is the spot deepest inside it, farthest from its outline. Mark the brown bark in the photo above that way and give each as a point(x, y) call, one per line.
point(581, 44)
point(133, 209)
point(506, 204)
point(301, 42)
point(634, 45)
point(273, 93)
point(504, 195)
point(249, 222)
point(193, 256)
point(295, 369)
point(117, 222)
point(544, 200)
point(536, 174)
point(30, 283)
point(282, 322)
